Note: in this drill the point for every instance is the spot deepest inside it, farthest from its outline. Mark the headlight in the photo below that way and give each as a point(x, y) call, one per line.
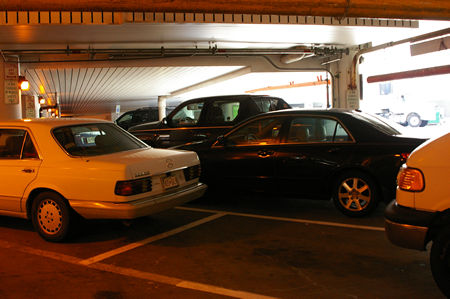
point(410, 179)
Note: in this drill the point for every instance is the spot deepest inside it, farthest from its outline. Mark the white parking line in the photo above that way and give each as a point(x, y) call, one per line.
point(336, 224)
point(131, 246)
point(94, 262)
point(176, 282)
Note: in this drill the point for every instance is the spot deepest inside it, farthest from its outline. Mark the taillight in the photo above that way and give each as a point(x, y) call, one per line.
point(192, 172)
point(132, 187)
point(410, 179)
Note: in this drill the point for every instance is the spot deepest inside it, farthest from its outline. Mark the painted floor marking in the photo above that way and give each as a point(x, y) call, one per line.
point(306, 221)
point(176, 282)
point(148, 240)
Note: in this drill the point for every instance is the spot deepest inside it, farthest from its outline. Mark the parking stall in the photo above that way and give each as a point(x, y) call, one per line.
point(237, 248)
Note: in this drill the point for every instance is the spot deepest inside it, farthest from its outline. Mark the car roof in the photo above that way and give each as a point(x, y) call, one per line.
point(50, 122)
point(241, 96)
point(328, 111)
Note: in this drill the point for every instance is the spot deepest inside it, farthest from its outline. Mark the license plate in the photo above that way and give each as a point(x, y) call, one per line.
point(169, 182)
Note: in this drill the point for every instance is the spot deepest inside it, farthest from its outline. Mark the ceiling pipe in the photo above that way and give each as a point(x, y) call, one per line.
point(160, 51)
point(215, 80)
point(291, 58)
point(422, 37)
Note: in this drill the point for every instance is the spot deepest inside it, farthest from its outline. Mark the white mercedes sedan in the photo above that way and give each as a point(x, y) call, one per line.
point(52, 170)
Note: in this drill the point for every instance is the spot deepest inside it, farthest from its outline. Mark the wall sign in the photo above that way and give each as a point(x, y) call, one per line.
point(352, 99)
point(11, 83)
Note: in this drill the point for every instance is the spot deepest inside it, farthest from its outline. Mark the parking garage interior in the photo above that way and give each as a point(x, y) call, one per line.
point(100, 59)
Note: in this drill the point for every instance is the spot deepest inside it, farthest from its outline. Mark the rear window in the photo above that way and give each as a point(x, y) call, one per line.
point(95, 139)
point(381, 125)
point(270, 104)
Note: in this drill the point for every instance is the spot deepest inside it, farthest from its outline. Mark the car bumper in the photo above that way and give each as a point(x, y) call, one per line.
point(406, 227)
point(138, 208)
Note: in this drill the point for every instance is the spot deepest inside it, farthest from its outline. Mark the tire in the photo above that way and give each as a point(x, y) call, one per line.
point(413, 120)
point(355, 194)
point(51, 216)
point(440, 260)
point(424, 123)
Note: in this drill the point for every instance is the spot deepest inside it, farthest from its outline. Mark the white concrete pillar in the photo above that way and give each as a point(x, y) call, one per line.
point(162, 107)
point(10, 104)
point(345, 95)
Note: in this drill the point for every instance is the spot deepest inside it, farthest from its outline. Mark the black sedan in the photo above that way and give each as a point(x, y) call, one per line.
point(349, 156)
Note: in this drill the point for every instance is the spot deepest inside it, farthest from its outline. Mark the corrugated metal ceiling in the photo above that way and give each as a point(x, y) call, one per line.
point(90, 90)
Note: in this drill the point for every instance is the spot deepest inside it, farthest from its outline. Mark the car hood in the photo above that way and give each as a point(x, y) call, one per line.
point(144, 162)
point(432, 153)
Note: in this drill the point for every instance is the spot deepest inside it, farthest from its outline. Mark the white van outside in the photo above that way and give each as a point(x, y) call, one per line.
point(421, 212)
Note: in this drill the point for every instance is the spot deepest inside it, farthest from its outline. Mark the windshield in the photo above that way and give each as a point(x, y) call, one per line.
point(95, 139)
point(389, 128)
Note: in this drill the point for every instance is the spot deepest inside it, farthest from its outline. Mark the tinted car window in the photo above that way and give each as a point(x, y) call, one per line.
point(95, 139)
point(11, 143)
point(379, 124)
point(222, 112)
point(135, 117)
point(187, 115)
point(316, 129)
point(268, 104)
point(263, 131)
point(29, 150)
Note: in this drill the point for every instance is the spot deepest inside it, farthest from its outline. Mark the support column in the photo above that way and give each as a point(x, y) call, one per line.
point(10, 104)
point(345, 95)
point(162, 106)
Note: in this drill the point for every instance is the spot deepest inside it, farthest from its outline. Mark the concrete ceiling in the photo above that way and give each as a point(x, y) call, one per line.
point(94, 67)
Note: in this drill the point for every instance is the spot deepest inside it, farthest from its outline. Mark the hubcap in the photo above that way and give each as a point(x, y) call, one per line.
point(354, 194)
point(414, 121)
point(49, 216)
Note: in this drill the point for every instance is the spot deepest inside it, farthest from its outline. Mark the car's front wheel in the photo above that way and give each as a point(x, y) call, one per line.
point(440, 260)
point(355, 194)
point(51, 216)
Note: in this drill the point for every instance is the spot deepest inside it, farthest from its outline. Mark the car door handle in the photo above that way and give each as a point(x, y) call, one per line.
point(265, 154)
point(334, 150)
point(28, 170)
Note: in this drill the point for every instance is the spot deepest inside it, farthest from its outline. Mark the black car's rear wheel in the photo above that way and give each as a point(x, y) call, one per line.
point(355, 194)
point(440, 260)
point(51, 216)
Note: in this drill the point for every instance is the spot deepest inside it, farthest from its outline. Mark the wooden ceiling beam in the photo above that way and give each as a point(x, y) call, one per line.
point(396, 9)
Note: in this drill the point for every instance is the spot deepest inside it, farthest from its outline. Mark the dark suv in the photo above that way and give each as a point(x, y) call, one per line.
point(139, 116)
point(204, 118)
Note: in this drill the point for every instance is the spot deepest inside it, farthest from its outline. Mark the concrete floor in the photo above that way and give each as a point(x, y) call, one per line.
point(247, 246)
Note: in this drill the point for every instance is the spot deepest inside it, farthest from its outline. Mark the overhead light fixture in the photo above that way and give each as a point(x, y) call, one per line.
point(23, 83)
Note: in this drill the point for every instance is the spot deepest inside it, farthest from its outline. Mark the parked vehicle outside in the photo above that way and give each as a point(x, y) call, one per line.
point(349, 156)
point(204, 118)
point(421, 212)
point(55, 169)
point(413, 115)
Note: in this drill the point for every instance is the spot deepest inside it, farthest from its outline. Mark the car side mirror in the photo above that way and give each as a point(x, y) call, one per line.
point(221, 141)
